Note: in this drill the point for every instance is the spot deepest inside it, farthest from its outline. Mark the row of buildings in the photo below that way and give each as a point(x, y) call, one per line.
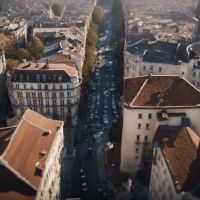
point(50, 85)
point(161, 105)
point(44, 96)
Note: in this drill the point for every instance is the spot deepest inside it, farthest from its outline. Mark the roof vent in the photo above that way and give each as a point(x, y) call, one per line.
point(38, 169)
point(43, 153)
point(45, 133)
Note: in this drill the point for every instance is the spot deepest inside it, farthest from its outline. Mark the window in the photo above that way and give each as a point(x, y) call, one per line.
point(139, 126)
point(145, 138)
point(159, 69)
point(46, 87)
point(61, 102)
point(151, 67)
point(194, 74)
point(136, 150)
point(61, 94)
point(25, 86)
point(147, 126)
point(138, 137)
point(54, 102)
point(54, 95)
point(150, 115)
point(144, 67)
point(136, 157)
point(139, 116)
point(61, 87)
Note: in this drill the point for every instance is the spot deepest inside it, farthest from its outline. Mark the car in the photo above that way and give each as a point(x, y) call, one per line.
point(105, 119)
point(98, 134)
point(84, 189)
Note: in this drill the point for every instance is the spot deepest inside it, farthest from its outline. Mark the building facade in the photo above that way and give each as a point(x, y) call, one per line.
point(37, 142)
point(150, 101)
point(163, 58)
point(50, 89)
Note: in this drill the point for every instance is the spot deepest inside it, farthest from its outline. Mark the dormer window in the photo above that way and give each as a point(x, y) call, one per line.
point(14, 77)
point(21, 77)
point(38, 77)
point(44, 78)
point(54, 77)
point(60, 78)
point(27, 77)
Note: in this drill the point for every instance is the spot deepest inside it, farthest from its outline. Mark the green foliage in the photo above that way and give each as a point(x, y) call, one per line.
point(11, 47)
point(11, 65)
point(23, 54)
point(98, 15)
point(57, 10)
point(91, 43)
point(35, 47)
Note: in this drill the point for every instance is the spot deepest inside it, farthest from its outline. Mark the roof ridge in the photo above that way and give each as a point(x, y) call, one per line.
point(141, 88)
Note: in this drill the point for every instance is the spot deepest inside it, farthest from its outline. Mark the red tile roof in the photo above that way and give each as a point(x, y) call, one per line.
point(34, 135)
point(160, 91)
point(71, 71)
point(182, 154)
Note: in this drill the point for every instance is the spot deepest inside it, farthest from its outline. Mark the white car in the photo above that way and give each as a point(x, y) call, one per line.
point(105, 119)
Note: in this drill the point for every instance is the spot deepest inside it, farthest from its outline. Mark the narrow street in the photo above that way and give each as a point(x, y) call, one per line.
point(88, 171)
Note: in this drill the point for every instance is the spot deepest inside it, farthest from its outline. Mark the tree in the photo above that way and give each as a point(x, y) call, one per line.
point(57, 10)
point(23, 54)
point(11, 65)
point(11, 47)
point(35, 47)
point(98, 15)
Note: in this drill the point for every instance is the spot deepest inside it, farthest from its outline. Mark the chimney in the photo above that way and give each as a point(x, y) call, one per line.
point(47, 64)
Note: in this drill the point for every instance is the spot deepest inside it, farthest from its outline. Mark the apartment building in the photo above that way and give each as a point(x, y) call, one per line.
point(150, 101)
point(50, 89)
point(163, 58)
point(176, 162)
point(30, 158)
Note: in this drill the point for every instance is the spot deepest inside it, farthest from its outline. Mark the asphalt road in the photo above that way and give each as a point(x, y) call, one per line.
point(102, 111)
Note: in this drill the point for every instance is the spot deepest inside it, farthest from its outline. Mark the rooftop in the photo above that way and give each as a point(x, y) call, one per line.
point(30, 144)
point(160, 91)
point(53, 72)
point(182, 152)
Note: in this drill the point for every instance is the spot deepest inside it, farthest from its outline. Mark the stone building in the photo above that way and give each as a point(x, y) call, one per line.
point(163, 58)
point(176, 162)
point(150, 101)
point(50, 89)
point(30, 158)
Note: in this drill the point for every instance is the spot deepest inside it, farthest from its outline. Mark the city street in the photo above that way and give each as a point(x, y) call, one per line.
point(88, 173)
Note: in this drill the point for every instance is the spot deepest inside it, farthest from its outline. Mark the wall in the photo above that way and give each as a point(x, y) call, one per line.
point(130, 157)
point(50, 183)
